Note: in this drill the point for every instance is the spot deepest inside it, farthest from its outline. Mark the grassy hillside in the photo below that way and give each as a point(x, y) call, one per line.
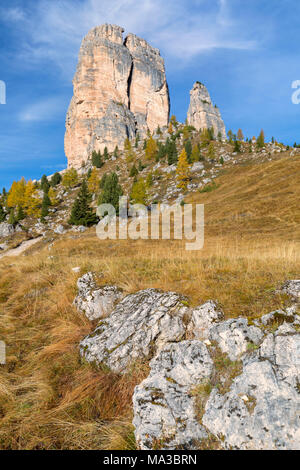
point(49, 397)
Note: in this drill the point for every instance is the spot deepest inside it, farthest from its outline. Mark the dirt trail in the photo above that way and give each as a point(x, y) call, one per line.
point(20, 249)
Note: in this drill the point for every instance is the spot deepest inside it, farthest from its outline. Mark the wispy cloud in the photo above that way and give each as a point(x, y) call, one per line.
point(182, 29)
point(47, 109)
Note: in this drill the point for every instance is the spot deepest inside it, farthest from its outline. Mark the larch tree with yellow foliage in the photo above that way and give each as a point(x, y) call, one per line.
point(151, 148)
point(183, 172)
point(16, 194)
point(93, 181)
point(32, 202)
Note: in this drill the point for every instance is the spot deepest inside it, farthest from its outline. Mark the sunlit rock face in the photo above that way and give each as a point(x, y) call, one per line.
point(120, 89)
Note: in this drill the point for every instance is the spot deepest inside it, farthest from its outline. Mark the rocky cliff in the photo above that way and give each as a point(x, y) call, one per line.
point(202, 114)
point(120, 89)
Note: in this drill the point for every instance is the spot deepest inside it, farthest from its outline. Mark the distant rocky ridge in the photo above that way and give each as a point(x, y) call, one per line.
point(120, 90)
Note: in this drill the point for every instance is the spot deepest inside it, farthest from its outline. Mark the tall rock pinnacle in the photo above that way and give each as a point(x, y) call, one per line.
point(120, 89)
point(202, 114)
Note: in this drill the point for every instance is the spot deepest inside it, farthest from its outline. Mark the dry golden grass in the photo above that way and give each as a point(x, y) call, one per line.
point(49, 397)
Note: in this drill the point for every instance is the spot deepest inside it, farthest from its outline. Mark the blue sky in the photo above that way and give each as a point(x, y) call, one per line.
point(246, 52)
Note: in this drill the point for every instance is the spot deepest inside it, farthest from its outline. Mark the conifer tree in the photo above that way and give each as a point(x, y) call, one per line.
point(139, 193)
point(133, 171)
point(105, 154)
point(211, 151)
point(2, 213)
point(56, 179)
point(93, 181)
point(183, 170)
point(82, 213)
point(45, 184)
point(151, 149)
point(172, 152)
point(20, 214)
point(111, 192)
point(12, 219)
point(70, 178)
point(188, 148)
point(97, 159)
point(195, 156)
point(240, 135)
point(46, 203)
point(16, 194)
point(31, 200)
point(260, 143)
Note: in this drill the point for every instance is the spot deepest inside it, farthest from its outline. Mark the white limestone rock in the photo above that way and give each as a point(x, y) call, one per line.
point(270, 419)
point(139, 327)
point(233, 336)
point(164, 408)
point(203, 318)
point(95, 302)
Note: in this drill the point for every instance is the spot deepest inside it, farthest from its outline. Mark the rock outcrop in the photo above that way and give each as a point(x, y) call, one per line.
point(164, 408)
point(202, 114)
point(140, 325)
point(261, 409)
point(95, 302)
point(230, 382)
point(120, 89)
point(6, 230)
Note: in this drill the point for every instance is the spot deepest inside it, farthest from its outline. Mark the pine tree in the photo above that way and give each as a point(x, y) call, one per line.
point(105, 154)
point(82, 213)
point(188, 148)
point(2, 213)
point(140, 166)
point(20, 214)
point(97, 159)
point(46, 203)
point(56, 179)
point(183, 170)
point(102, 181)
point(133, 171)
point(116, 152)
point(45, 184)
point(172, 152)
point(12, 219)
point(237, 146)
point(260, 143)
point(112, 191)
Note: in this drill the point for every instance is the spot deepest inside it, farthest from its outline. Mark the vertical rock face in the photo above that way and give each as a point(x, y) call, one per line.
point(120, 88)
point(148, 90)
point(202, 114)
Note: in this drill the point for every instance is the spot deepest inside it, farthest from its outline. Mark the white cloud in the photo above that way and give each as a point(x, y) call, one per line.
point(47, 109)
point(182, 29)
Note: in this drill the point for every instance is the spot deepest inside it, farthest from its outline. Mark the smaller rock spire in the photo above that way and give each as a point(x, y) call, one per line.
point(202, 114)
